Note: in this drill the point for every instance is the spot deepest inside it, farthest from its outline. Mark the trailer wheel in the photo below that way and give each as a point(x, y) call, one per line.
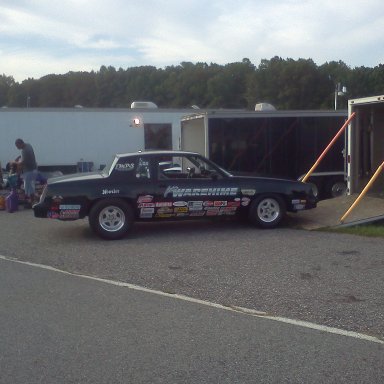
point(267, 211)
point(111, 219)
point(337, 188)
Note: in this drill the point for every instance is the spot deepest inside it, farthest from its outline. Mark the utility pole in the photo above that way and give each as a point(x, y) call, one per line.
point(339, 91)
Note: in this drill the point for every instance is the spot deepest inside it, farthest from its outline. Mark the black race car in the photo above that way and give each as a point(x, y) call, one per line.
point(160, 185)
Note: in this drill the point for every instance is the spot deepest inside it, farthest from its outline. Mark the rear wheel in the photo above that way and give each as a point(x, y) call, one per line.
point(111, 219)
point(267, 211)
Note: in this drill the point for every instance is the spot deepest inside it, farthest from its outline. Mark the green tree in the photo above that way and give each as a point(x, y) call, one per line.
point(228, 87)
point(288, 84)
point(285, 83)
point(6, 83)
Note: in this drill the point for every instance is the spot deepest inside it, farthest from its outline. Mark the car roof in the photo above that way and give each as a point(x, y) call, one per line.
point(157, 152)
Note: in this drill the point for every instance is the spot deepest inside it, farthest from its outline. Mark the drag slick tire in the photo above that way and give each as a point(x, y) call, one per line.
point(267, 211)
point(111, 219)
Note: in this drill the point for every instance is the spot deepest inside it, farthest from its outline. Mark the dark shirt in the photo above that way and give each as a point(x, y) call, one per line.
point(28, 158)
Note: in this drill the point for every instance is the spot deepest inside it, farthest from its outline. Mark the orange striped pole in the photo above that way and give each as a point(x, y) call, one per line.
point(341, 130)
point(364, 191)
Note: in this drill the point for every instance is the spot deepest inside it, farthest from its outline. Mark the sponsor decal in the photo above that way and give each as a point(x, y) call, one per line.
point(69, 214)
point(145, 199)
point(227, 211)
point(175, 191)
point(197, 213)
point(212, 211)
point(110, 191)
point(195, 205)
point(165, 210)
point(143, 163)
point(180, 204)
point(125, 167)
point(248, 192)
point(245, 201)
point(164, 215)
point(299, 204)
point(146, 205)
point(164, 204)
point(208, 203)
point(297, 201)
point(69, 206)
point(147, 213)
point(219, 203)
point(181, 214)
point(180, 209)
point(147, 210)
point(233, 204)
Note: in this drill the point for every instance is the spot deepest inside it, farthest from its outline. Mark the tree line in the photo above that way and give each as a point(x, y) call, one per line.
point(285, 83)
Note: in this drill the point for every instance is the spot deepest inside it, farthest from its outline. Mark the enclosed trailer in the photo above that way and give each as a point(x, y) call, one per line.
point(365, 143)
point(273, 143)
point(82, 139)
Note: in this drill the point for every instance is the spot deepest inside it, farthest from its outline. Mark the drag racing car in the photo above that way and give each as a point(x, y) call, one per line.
point(168, 185)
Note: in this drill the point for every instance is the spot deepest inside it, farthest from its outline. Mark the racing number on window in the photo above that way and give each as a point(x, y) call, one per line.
point(142, 169)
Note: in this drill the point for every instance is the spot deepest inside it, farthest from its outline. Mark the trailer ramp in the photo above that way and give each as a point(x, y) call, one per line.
point(329, 212)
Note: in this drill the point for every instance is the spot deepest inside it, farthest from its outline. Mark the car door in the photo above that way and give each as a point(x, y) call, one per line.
point(189, 187)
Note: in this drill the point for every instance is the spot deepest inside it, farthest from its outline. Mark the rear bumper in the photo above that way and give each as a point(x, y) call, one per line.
point(41, 210)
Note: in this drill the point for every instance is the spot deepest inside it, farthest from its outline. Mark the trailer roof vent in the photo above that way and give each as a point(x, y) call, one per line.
point(264, 107)
point(143, 104)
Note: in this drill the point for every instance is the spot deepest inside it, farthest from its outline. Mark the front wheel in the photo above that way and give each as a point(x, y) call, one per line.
point(111, 219)
point(267, 211)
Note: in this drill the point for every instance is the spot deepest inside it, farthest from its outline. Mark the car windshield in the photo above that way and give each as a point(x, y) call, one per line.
point(109, 167)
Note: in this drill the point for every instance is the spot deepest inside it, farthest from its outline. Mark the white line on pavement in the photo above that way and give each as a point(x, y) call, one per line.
point(246, 311)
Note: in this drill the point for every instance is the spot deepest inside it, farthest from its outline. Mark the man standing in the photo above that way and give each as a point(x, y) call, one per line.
point(28, 165)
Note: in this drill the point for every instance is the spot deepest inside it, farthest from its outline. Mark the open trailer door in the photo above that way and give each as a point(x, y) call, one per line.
point(365, 143)
point(193, 134)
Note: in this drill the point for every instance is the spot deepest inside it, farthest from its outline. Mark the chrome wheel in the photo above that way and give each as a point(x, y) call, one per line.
point(268, 210)
point(111, 219)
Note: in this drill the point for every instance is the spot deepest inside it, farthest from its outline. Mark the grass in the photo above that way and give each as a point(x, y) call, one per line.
point(369, 230)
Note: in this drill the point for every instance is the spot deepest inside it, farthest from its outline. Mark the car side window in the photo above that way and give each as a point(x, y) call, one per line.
point(183, 167)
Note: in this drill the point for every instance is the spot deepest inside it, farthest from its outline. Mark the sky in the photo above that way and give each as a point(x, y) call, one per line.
point(42, 37)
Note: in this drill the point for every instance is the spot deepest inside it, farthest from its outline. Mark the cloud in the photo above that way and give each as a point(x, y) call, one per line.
point(49, 36)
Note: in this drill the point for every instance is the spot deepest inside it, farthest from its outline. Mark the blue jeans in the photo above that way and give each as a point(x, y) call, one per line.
point(29, 182)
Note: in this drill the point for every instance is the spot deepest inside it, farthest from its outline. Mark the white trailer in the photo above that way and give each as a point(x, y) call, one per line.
point(365, 143)
point(68, 138)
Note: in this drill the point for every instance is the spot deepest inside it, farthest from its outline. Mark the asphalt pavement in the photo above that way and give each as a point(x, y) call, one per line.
point(86, 321)
point(60, 328)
